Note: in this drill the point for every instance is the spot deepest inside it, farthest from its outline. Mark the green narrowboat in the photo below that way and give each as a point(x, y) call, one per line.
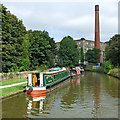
point(38, 82)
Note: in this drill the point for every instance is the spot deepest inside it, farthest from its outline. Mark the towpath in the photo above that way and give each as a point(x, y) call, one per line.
point(12, 85)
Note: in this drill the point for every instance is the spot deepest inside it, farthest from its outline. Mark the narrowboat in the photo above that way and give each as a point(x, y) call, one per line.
point(39, 82)
point(82, 70)
point(75, 71)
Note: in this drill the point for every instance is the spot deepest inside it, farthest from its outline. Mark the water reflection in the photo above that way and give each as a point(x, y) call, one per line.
point(38, 105)
point(72, 95)
point(91, 95)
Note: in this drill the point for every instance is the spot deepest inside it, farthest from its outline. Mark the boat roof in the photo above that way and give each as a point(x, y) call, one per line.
point(52, 72)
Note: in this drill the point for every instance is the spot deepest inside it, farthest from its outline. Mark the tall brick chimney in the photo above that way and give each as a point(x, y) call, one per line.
point(97, 32)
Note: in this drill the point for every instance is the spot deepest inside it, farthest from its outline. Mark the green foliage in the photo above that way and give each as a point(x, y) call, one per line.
point(24, 50)
point(82, 55)
point(68, 52)
point(93, 56)
point(115, 72)
point(13, 32)
point(42, 68)
point(42, 49)
point(107, 66)
point(25, 62)
point(112, 51)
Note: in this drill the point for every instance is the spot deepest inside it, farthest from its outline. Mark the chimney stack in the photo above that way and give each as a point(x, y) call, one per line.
point(97, 33)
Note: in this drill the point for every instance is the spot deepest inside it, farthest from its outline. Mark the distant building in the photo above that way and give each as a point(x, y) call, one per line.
point(88, 44)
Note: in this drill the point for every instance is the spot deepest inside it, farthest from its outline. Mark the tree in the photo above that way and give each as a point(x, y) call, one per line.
point(42, 49)
point(92, 56)
point(24, 50)
point(13, 32)
point(107, 66)
point(112, 50)
point(25, 62)
point(68, 52)
point(82, 55)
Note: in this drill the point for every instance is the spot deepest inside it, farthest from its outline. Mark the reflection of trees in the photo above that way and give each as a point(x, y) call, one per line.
point(72, 95)
point(111, 85)
point(78, 92)
point(97, 96)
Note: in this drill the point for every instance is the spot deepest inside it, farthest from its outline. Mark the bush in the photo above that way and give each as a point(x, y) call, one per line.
point(107, 66)
point(115, 72)
point(94, 70)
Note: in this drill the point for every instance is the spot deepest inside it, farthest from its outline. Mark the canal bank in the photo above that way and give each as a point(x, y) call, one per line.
point(6, 92)
point(91, 95)
point(10, 79)
point(114, 72)
point(12, 89)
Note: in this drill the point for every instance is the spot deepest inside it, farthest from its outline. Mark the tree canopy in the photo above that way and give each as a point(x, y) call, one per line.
point(112, 51)
point(13, 33)
point(24, 50)
point(42, 49)
point(82, 55)
point(68, 52)
point(92, 56)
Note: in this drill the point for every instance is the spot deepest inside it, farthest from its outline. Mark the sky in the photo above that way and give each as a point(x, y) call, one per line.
point(61, 18)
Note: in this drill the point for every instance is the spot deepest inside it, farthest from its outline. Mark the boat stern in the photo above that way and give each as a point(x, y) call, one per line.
point(35, 90)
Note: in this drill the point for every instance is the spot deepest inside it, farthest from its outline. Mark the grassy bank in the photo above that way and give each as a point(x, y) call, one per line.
point(9, 90)
point(115, 72)
point(9, 82)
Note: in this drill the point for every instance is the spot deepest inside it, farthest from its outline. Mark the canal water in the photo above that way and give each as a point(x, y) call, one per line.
point(91, 95)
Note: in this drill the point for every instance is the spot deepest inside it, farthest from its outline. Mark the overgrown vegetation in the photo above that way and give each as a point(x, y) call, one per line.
point(107, 66)
point(115, 72)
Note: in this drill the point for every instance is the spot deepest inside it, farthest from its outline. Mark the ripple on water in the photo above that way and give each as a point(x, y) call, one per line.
point(89, 96)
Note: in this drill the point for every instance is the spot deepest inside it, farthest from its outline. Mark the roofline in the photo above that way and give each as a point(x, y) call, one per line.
point(89, 40)
point(85, 40)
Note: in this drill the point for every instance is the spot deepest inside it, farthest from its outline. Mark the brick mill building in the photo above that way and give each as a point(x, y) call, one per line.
point(89, 44)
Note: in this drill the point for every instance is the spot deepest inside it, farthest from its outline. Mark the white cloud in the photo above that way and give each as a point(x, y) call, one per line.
point(71, 18)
